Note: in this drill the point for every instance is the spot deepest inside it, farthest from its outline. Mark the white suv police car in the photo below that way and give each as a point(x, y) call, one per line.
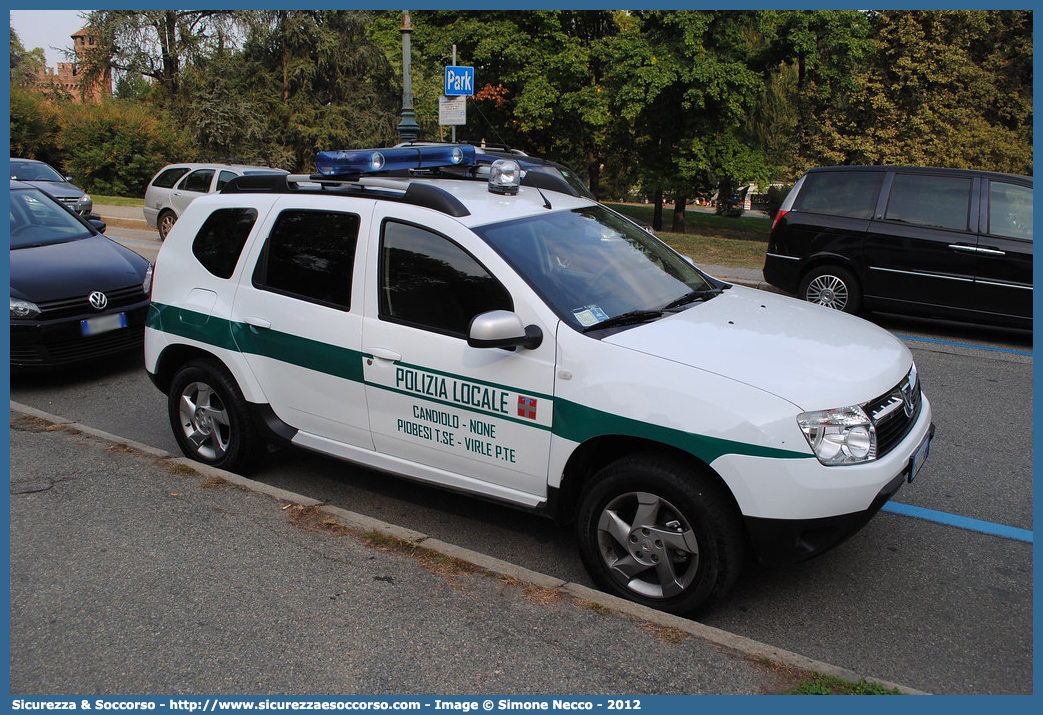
point(523, 344)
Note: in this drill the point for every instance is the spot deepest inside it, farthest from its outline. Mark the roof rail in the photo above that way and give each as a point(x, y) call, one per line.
point(425, 195)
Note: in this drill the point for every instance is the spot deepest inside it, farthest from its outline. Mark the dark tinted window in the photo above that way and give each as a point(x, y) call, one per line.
point(428, 281)
point(223, 178)
point(840, 193)
point(169, 177)
point(1010, 210)
point(310, 255)
point(221, 239)
point(197, 181)
point(926, 200)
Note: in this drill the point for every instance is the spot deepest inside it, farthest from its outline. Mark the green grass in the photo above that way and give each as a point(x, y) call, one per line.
point(818, 684)
point(117, 200)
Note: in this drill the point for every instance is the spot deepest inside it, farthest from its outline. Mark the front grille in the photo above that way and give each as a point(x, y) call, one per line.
point(79, 305)
point(893, 414)
point(75, 349)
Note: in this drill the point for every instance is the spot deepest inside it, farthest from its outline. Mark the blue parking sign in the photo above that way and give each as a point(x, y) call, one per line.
point(459, 81)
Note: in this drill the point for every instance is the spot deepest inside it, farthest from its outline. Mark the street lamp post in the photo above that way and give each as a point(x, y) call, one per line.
point(408, 129)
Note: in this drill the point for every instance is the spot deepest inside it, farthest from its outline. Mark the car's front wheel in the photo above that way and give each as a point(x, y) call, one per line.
point(832, 286)
point(167, 219)
point(210, 418)
point(660, 532)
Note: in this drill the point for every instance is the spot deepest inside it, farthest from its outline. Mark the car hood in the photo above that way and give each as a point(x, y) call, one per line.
point(814, 357)
point(57, 189)
point(62, 270)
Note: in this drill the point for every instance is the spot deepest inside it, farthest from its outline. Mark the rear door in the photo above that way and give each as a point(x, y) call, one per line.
point(1004, 252)
point(922, 247)
point(190, 188)
point(298, 317)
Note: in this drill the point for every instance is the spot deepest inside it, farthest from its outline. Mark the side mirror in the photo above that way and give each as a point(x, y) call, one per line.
point(98, 224)
point(502, 329)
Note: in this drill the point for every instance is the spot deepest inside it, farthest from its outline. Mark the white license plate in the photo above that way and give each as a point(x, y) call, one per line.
point(919, 456)
point(103, 324)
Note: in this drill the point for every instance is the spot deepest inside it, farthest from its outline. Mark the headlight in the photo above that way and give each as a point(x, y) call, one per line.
point(146, 285)
point(841, 436)
point(22, 309)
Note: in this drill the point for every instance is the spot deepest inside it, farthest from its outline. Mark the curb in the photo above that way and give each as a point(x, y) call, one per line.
point(138, 224)
point(741, 645)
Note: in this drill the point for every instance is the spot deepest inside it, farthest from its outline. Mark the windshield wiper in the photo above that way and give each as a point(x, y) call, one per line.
point(693, 296)
point(630, 318)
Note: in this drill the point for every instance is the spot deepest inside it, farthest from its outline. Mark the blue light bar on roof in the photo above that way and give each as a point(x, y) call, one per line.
point(368, 161)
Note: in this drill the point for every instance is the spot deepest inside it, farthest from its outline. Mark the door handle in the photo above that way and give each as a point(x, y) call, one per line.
point(384, 355)
point(258, 322)
point(991, 252)
point(964, 248)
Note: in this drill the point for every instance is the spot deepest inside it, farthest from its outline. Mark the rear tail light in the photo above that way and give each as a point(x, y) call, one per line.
point(779, 214)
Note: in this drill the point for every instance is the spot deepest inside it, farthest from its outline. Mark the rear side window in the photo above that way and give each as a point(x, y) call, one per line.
point(840, 193)
point(198, 181)
point(430, 282)
point(169, 177)
point(310, 255)
point(1010, 210)
point(221, 239)
point(932, 201)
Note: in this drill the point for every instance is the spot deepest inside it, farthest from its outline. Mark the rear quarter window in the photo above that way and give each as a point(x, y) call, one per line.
point(840, 193)
point(220, 241)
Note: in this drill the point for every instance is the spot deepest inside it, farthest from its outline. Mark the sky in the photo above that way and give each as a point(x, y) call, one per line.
point(47, 28)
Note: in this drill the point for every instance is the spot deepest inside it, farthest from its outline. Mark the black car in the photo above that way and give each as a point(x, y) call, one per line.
point(46, 177)
point(75, 294)
point(944, 243)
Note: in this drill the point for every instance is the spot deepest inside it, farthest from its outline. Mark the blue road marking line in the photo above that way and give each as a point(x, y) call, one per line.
point(964, 345)
point(962, 522)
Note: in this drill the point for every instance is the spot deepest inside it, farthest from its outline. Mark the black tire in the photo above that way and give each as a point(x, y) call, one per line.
point(165, 222)
point(211, 420)
point(628, 509)
point(832, 286)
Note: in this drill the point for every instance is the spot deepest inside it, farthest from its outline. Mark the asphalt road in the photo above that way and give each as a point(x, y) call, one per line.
point(931, 605)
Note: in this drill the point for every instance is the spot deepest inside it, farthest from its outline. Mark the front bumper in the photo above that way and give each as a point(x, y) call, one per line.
point(52, 343)
point(787, 541)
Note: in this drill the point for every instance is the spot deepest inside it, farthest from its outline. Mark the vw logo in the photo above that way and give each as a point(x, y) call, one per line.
point(98, 300)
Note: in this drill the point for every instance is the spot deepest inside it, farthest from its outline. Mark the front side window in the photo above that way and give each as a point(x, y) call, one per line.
point(851, 194)
point(223, 178)
point(429, 282)
point(221, 239)
point(310, 255)
point(1010, 210)
point(592, 266)
point(198, 181)
point(930, 201)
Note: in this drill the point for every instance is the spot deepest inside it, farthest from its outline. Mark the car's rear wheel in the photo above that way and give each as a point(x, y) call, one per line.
point(661, 533)
point(832, 286)
point(210, 418)
point(167, 219)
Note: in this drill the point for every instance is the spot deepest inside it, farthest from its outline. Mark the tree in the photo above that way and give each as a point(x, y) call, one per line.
point(319, 81)
point(157, 44)
point(26, 65)
point(945, 88)
point(683, 82)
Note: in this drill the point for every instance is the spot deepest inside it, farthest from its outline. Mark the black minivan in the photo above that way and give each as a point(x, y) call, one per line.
point(945, 243)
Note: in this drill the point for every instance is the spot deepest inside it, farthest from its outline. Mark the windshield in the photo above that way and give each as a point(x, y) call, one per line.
point(596, 269)
point(37, 219)
point(33, 171)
